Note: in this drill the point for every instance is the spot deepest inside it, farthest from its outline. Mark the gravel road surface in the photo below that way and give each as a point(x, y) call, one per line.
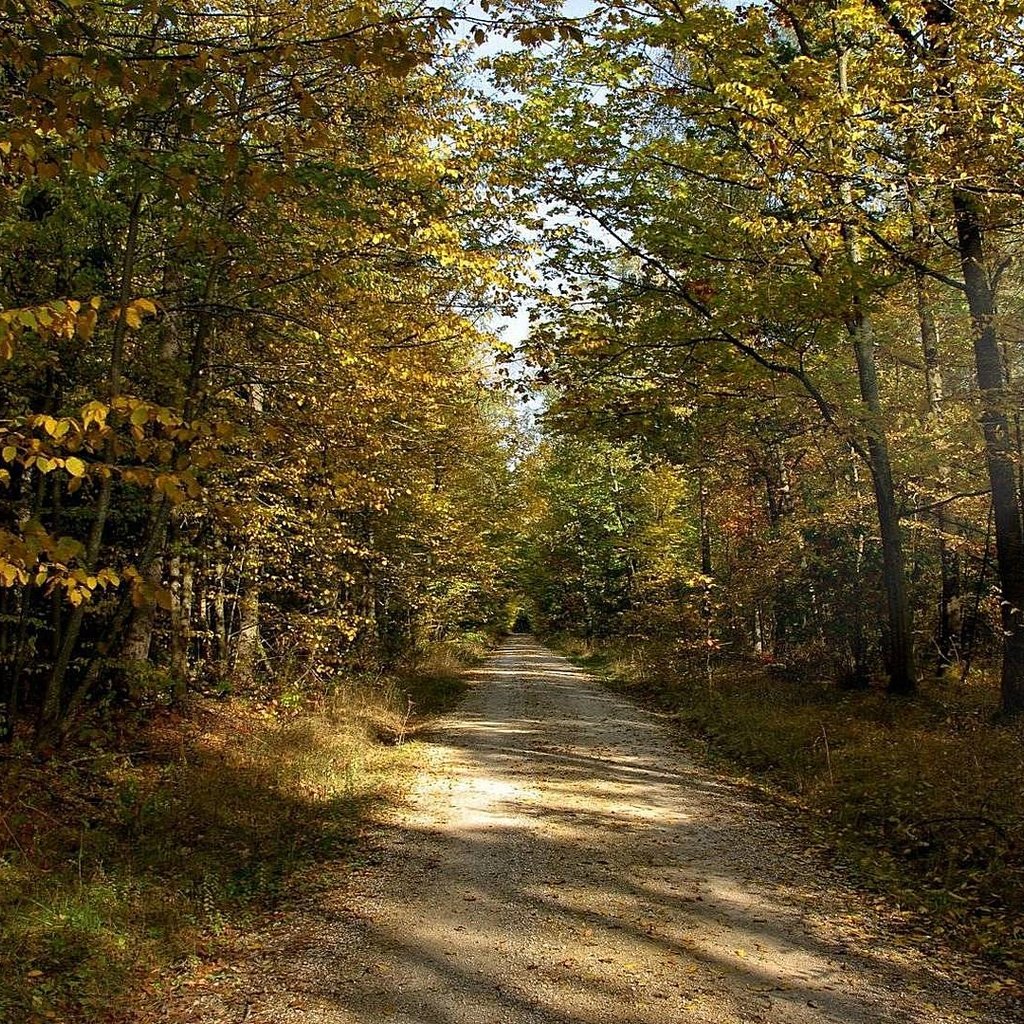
point(562, 860)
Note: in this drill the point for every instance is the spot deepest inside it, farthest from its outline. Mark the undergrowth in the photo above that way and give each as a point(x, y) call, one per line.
point(116, 864)
point(924, 796)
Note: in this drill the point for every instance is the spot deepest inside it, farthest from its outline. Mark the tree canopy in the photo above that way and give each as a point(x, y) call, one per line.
point(253, 412)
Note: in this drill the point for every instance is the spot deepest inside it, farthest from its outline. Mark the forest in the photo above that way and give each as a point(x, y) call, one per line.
point(339, 340)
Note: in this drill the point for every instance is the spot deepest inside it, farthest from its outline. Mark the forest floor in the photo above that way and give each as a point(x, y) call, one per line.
point(561, 859)
point(132, 855)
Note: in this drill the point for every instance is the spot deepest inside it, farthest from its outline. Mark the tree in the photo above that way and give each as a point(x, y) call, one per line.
point(748, 177)
point(239, 311)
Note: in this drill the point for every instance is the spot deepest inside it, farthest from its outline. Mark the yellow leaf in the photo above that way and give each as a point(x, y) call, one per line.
point(94, 412)
point(87, 324)
point(75, 466)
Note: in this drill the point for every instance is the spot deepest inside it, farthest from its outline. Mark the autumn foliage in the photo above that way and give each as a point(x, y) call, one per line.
point(246, 427)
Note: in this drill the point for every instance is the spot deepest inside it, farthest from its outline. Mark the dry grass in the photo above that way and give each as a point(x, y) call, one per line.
point(924, 796)
point(114, 865)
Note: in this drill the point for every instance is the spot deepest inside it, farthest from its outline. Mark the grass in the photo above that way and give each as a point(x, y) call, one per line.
point(923, 796)
point(115, 865)
point(437, 681)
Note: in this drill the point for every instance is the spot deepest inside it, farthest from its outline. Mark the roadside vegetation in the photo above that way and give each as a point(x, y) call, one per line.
point(118, 862)
point(921, 798)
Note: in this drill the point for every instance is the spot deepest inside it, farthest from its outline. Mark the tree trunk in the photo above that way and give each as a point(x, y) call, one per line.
point(949, 561)
point(139, 638)
point(990, 370)
point(703, 498)
point(115, 631)
point(220, 624)
point(706, 567)
point(902, 669)
point(779, 495)
point(999, 454)
point(856, 675)
point(181, 623)
point(9, 693)
point(248, 648)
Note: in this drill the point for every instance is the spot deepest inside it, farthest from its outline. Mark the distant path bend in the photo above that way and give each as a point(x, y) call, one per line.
point(562, 861)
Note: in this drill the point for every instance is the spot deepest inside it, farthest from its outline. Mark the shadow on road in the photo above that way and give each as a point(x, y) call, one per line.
point(567, 864)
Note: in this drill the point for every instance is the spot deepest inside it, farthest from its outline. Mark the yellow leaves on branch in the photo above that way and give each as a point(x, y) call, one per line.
point(144, 431)
point(94, 413)
point(37, 558)
point(134, 312)
point(65, 319)
point(44, 444)
point(757, 103)
point(58, 318)
point(81, 586)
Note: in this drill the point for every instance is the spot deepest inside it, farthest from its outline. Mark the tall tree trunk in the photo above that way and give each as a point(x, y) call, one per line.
point(706, 567)
point(9, 692)
point(949, 561)
point(990, 370)
point(859, 675)
point(154, 544)
point(248, 650)
point(902, 668)
point(779, 493)
point(181, 623)
point(703, 498)
point(999, 447)
point(220, 623)
point(139, 638)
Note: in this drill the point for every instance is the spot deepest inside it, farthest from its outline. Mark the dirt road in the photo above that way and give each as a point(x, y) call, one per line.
point(562, 861)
